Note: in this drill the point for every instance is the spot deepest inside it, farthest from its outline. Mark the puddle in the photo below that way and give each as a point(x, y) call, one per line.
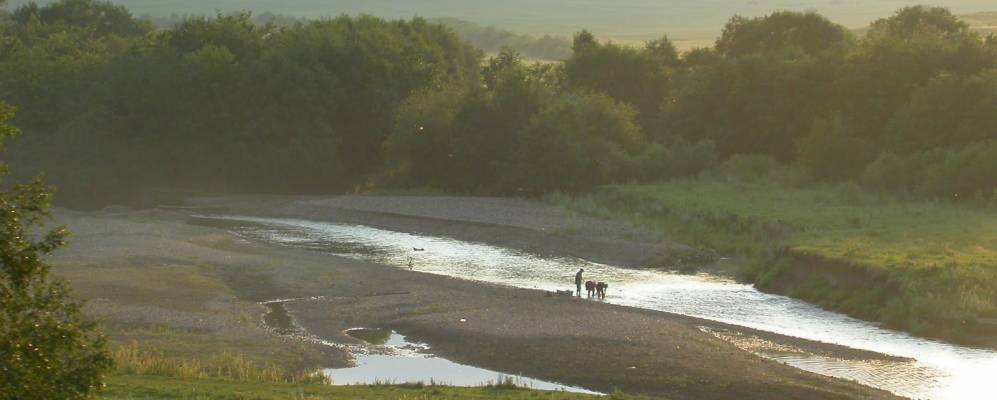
point(278, 319)
point(376, 337)
point(396, 360)
point(389, 358)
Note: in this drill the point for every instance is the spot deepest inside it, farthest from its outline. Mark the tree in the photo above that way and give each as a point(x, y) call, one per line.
point(809, 33)
point(948, 110)
point(913, 21)
point(47, 350)
point(575, 143)
point(901, 53)
point(831, 151)
point(751, 104)
point(103, 17)
point(639, 77)
point(663, 51)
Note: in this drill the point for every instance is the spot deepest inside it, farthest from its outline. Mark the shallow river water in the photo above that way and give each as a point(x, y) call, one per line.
point(939, 370)
point(396, 360)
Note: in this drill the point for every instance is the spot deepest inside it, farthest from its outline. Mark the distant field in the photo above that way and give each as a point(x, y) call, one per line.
point(983, 22)
point(689, 22)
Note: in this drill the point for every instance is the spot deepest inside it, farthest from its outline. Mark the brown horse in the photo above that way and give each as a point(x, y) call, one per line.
point(590, 288)
point(600, 289)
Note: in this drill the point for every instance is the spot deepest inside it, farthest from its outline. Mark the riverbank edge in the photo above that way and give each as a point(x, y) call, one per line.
point(763, 258)
point(860, 292)
point(530, 241)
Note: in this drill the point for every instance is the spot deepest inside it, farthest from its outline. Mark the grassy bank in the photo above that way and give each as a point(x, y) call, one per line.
point(153, 387)
point(926, 267)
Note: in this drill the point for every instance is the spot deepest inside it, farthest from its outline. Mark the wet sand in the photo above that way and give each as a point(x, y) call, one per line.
point(573, 341)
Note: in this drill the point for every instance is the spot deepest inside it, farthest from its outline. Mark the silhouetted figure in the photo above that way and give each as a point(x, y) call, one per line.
point(600, 289)
point(578, 282)
point(590, 288)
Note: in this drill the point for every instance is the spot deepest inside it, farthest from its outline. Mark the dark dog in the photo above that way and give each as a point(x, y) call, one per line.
point(590, 288)
point(600, 289)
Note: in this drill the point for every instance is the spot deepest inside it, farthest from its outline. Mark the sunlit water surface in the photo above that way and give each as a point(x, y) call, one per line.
point(940, 370)
point(399, 361)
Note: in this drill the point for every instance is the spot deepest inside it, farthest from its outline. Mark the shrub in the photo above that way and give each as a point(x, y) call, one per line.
point(575, 143)
point(832, 152)
point(47, 349)
point(748, 167)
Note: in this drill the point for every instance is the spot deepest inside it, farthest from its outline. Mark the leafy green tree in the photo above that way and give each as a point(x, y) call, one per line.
point(949, 109)
point(47, 351)
point(808, 33)
point(575, 143)
point(831, 151)
point(663, 51)
point(103, 17)
point(700, 57)
point(489, 121)
point(752, 104)
point(421, 148)
point(459, 138)
point(639, 77)
point(899, 54)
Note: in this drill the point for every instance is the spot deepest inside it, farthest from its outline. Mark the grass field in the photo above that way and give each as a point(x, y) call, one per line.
point(938, 259)
point(152, 387)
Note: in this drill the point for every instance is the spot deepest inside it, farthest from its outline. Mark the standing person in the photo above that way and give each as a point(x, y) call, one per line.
point(578, 282)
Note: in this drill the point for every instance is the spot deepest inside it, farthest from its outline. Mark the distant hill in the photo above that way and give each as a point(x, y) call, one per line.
point(689, 23)
point(984, 22)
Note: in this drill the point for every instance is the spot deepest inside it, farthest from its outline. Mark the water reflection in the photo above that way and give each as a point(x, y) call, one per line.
point(397, 360)
point(941, 370)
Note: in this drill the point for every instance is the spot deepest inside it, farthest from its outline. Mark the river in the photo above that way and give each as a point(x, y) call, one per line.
point(939, 370)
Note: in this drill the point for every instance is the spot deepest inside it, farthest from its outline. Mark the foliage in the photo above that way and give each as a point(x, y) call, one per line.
point(575, 143)
point(832, 152)
point(947, 109)
point(460, 137)
point(639, 77)
point(102, 17)
point(221, 103)
point(807, 33)
point(46, 349)
point(957, 173)
point(752, 104)
point(283, 105)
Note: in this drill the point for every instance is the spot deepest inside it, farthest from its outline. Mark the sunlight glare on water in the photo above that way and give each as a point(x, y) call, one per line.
point(941, 371)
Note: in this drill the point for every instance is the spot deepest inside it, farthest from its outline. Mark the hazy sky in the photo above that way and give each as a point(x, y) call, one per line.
point(618, 19)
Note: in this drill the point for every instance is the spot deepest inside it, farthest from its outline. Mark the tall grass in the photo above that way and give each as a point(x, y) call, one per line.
point(133, 358)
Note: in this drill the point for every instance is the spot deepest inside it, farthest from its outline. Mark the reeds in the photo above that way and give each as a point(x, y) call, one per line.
point(133, 358)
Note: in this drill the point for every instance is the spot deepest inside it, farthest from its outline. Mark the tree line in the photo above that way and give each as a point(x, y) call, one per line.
point(112, 107)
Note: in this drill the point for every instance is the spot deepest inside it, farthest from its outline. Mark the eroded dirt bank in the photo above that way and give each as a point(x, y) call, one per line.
point(150, 272)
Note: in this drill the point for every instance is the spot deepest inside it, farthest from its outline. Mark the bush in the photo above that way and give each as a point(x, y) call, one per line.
point(575, 143)
point(47, 350)
point(832, 152)
point(890, 173)
point(958, 173)
point(748, 167)
point(681, 159)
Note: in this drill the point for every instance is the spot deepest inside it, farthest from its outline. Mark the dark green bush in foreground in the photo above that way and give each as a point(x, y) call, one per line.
point(46, 350)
